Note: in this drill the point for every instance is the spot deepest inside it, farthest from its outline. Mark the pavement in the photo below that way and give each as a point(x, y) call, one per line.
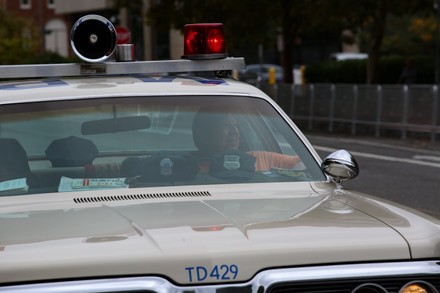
point(421, 143)
point(403, 170)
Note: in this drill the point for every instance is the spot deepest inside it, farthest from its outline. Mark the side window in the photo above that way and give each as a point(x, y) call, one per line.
point(25, 4)
point(249, 136)
point(256, 134)
point(285, 147)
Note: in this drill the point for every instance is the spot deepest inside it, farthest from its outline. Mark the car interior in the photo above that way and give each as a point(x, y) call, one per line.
point(105, 143)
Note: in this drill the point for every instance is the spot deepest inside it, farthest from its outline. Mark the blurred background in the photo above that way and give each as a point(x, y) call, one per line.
point(368, 66)
point(368, 41)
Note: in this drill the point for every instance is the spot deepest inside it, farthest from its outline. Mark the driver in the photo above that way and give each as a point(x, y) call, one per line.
point(215, 133)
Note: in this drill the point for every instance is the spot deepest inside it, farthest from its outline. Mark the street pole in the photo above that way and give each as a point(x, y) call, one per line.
point(437, 40)
point(41, 27)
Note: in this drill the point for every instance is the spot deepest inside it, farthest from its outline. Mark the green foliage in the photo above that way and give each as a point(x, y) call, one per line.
point(407, 35)
point(50, 58)
point(391, 68)
point(243, 27)
point(354, 71)
point(249, 23)
point(349, 71)
point(426, 69)
point(19, 40)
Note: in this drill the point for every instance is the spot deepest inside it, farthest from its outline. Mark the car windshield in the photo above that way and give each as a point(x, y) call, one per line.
point(106, 143)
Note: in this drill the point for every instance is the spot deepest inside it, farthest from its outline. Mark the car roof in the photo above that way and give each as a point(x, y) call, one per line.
point(127, 85)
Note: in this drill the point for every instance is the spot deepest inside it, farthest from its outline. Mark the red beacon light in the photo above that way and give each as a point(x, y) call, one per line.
point(204, 41)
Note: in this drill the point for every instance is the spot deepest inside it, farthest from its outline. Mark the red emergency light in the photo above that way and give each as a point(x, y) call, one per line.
point(204, 41)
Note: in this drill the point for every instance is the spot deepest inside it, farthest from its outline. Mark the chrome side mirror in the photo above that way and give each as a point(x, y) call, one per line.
point(340, 166)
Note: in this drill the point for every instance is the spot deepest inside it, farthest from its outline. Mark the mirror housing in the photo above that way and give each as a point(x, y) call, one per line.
point(340, 166)
point(114, 125)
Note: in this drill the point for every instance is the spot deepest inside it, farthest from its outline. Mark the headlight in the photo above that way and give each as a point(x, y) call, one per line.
point(418, 287)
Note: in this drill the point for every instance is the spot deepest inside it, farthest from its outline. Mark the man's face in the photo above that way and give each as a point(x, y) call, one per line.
point(229, 136)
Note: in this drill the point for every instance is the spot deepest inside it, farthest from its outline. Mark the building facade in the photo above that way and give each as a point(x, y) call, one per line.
point(54, 18)
point(54, 27)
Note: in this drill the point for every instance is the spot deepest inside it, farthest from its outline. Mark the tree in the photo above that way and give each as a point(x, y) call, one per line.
point(243, 26)
point(19, 40)
point(247, 22)
point(260, 21)
point(253, 22)
point(370, 17)
point(378, 23)
point(296, 18)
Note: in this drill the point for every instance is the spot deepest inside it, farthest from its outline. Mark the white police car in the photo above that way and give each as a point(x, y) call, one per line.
point(117, 179)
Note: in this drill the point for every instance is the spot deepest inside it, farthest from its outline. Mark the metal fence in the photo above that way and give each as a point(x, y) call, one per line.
point(376, 109)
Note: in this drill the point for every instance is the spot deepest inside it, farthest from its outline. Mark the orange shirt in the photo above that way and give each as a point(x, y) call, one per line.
point(264, 161)
point(268, 160)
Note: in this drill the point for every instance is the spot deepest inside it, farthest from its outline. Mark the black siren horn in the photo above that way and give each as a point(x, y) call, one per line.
point(93, 38)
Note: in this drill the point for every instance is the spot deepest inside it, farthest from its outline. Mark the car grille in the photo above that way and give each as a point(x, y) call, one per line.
point(351, 278)
point(373, 285)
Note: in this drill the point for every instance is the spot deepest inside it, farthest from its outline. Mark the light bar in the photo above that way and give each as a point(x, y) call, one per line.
point(119, 68)
point(204, 41)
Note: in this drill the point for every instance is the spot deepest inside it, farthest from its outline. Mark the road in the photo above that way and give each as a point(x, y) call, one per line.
point(394, 170)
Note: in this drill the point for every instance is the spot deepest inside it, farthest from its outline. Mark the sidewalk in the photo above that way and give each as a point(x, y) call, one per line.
point(414, 143)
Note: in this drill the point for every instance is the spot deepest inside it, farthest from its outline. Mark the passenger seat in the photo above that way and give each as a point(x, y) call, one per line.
point(14, 162)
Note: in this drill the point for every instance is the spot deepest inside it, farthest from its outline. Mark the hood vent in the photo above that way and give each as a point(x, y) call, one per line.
point(128, 197)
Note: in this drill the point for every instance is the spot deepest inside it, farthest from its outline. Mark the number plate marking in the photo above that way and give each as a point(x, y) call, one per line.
point(220, 272)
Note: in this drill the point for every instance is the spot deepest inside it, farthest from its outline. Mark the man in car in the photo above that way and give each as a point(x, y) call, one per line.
point(216, 133)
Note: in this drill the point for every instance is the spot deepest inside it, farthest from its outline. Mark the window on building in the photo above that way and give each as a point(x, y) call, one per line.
point(25, 4)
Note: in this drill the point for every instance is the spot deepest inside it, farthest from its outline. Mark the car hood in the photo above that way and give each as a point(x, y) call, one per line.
point(186, 233)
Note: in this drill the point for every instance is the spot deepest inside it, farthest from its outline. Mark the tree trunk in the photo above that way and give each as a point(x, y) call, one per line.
point(376, 42)
point(288, 37)
point(288, 34)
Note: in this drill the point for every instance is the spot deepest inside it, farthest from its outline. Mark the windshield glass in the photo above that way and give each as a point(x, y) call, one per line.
point(62, 146)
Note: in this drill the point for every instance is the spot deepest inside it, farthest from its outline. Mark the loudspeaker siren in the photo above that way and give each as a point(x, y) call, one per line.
point(93, 38)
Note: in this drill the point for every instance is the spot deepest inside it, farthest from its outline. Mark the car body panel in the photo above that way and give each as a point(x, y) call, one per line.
point(75, 88)
point(281, 224)
point(195, 235)
point(419, 230)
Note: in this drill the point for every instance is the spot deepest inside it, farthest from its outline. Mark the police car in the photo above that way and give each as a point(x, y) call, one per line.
point(169, 176)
